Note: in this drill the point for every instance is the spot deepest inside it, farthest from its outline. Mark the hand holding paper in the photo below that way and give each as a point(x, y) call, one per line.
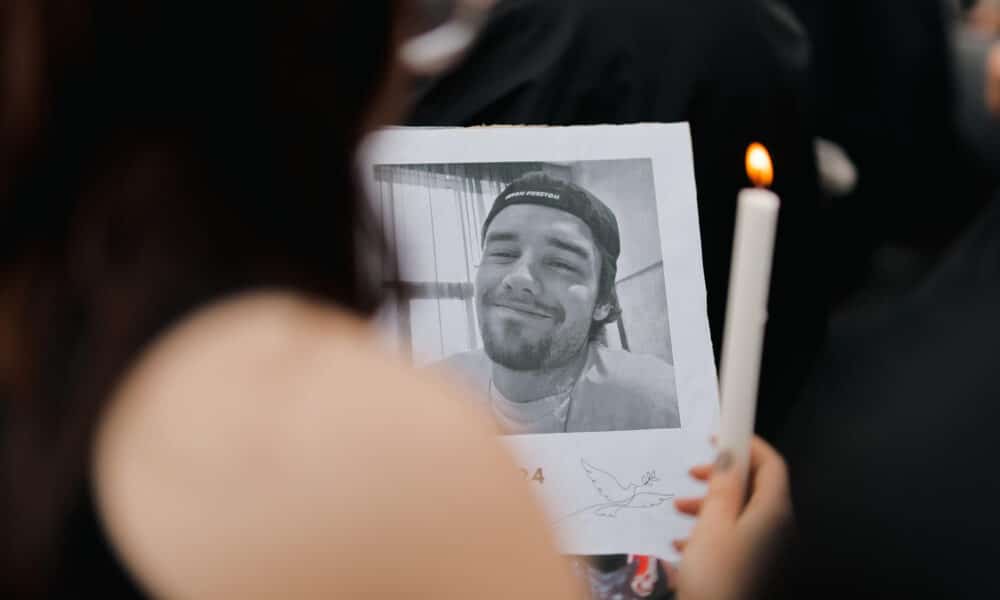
point(732, 545)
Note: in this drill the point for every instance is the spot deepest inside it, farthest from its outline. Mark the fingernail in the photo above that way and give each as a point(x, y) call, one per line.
point(724, 461)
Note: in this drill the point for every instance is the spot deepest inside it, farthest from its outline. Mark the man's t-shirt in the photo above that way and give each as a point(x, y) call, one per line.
point(616, 391)
point(545, 415)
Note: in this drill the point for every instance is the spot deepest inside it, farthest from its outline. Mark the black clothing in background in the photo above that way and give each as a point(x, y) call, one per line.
point(92, 567)
point(894, 453)
point(735, 70)
point(883, 88)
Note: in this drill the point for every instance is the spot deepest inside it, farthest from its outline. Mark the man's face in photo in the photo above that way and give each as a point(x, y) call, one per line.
point(537, 287)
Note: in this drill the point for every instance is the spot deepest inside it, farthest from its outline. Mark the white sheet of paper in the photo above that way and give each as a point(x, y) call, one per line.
point(608, 490)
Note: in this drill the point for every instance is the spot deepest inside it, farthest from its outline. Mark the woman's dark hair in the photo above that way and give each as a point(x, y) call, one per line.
point(156, 155)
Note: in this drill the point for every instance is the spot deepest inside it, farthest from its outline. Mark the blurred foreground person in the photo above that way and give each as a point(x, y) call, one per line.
point(192, 404)
point(188, 388)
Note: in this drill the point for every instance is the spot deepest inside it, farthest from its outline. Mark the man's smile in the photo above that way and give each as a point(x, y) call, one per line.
point(522, 309)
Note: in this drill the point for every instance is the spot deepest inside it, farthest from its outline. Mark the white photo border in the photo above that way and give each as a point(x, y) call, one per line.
point(668, 147)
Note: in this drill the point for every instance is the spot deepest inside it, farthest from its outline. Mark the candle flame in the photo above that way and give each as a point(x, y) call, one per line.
point(760, 170)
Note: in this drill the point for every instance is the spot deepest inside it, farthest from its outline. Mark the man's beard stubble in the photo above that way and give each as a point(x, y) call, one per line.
point(508, 350)
point(523, 356)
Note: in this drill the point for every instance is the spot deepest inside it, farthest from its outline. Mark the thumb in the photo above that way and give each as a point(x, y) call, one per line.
point(726, 490)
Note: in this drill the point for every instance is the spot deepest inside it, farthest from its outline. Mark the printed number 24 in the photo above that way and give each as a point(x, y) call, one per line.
point(536, 476)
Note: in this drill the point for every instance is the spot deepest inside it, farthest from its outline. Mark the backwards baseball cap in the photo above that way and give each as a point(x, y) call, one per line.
point(544, 190)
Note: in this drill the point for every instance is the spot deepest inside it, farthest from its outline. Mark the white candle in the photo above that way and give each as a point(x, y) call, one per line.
point(746, 316)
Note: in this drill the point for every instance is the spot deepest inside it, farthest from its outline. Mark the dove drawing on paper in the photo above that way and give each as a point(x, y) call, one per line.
point(618, 496)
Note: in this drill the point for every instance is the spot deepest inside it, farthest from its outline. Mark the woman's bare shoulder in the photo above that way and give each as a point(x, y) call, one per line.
point(279, 352)
point(268, 446)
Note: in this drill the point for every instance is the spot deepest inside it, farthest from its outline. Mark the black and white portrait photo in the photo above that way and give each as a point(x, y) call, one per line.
point(554, 275)
point(539, 284)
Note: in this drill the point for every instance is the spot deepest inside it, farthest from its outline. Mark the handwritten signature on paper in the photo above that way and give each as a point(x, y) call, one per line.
point(617, 496)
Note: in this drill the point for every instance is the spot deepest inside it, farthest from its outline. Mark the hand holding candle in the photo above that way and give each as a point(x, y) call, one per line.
point(746, 309)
